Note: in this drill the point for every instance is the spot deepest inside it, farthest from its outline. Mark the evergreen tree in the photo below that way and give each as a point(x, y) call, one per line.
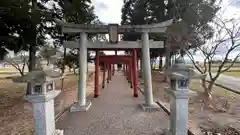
point(25, 23)
point(191, 19)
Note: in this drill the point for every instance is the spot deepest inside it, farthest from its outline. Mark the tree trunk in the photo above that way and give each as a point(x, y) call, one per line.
point(48, 62)
point(207, 86)
point(32, 51)
point(74, 70)
point(63, 66)
point(32, 63)
point(21, 72)
point(151, 64)
point(160, 64)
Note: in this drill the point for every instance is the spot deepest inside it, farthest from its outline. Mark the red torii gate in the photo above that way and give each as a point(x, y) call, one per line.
point(129, 65)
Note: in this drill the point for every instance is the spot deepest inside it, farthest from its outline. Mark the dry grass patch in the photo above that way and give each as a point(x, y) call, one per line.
point(234, 74)
point(222, 112)
point(216, 91)
point(15, 112)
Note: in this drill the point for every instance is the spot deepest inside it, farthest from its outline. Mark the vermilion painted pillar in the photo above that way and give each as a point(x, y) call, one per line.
point(135, 73)
point(108, 71)
point(123, 69)
point(128, 73)
point(97, 89)
point(103, 79)
point(125, 65)
point(137, 63)
point(114, 64)
point(113, 69)
point(131, 73)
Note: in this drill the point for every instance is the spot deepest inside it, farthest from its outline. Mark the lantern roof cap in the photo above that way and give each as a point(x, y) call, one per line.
point(38, 76)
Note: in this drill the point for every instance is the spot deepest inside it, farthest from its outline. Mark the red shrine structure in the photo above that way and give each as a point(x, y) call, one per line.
point(130, 69)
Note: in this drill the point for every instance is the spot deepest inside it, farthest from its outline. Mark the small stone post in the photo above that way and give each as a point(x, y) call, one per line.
point(180, 75)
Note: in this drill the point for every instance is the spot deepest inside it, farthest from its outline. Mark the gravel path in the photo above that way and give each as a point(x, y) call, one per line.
point(115, 112)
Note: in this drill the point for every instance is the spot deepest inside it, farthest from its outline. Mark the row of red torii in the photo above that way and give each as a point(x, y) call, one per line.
point(130, 69)
point(129, 61)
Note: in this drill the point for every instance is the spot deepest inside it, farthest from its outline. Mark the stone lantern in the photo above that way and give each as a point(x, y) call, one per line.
point(180, 74)
point(42, 97)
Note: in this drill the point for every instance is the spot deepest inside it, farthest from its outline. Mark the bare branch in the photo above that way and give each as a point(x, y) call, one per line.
point(15, 65)
point(233, 62)
point(193, 61)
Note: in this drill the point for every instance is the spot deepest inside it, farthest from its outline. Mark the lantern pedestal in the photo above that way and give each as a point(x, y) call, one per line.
point(180, 75)
point(179, 113)
point(76, 107)
point(43, 112)
point(42, 86)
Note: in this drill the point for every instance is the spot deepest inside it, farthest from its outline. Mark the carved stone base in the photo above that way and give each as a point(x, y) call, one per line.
point(77, 108)
point(150, 108)
point(58, 132)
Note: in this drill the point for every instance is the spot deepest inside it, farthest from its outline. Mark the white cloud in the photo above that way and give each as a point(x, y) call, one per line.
point(230, 9)
point(108, 11)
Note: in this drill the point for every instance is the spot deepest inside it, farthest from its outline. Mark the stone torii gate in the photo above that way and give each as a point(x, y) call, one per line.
point(113, 30)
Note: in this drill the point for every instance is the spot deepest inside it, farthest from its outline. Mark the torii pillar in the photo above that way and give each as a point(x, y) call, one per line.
point(97, 88)
point(82, 104)
point(135, 72)
point(149, 104)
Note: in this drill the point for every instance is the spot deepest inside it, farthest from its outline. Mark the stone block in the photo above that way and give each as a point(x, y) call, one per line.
point(77, 108)
point(58, 132)
point(150, 108)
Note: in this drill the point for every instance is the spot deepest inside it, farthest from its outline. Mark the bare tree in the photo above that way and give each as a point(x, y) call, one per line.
point(19, 64)
point(224, 42)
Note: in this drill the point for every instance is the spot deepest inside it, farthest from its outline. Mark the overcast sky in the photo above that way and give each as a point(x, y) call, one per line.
point(109, 11)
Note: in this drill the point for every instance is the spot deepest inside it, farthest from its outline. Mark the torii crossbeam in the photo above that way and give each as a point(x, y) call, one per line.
point(122, 45)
